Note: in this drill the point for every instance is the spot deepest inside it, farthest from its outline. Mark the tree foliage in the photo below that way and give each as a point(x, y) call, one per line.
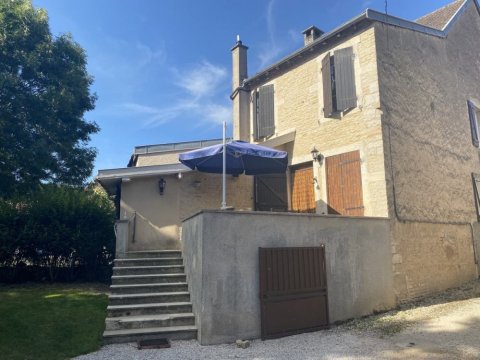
point(44, 93)
point(58, 227)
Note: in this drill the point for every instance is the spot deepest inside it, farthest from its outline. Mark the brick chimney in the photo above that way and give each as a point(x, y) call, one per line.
point(311, 34)
point(240, 96)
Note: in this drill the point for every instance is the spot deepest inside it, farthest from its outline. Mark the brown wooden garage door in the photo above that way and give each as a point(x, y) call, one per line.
point(293, 290)
point(344, 184)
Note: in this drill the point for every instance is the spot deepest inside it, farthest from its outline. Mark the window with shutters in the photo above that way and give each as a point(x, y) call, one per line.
point(263, 112)
point(473, 115)
point(338, 76)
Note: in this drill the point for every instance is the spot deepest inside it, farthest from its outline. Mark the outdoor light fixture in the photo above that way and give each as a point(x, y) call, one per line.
point(179, 176)
point(162, 184)
point(316, 155)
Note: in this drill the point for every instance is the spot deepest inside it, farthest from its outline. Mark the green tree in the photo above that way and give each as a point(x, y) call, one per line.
point(44, 93)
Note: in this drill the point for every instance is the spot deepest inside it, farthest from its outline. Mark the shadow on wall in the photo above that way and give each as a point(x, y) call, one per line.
point(145, 235)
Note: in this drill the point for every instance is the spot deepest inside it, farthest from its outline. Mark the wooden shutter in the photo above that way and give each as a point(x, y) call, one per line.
point(344, 184)
point(255, 113)
point(476, 181)
point(327, 86)
point(303, 197)
point(472, 115)
point(345, 79)
point(265, 112)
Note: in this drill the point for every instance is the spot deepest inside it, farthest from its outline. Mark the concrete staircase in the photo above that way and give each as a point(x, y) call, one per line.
point(149, 298)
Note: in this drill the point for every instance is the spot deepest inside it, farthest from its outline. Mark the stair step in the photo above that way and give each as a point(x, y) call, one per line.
point(147, 279)
point(148, 288)
point(152, 254)
point(131, 335)
point(145, 270)
point(149, 321)
point(147, 298)
point(148, 261)
point(149, 309)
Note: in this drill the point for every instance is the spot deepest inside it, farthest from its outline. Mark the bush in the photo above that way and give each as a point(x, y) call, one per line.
point(58, 228)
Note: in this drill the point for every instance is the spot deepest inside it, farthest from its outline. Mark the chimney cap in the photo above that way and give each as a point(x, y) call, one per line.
point(238, 43)
point(316, 31)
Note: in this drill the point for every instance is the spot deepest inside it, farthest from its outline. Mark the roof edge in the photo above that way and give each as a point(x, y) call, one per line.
point(141, 171)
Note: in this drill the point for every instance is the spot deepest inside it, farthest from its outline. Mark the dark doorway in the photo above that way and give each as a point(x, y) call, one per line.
point(271, 192)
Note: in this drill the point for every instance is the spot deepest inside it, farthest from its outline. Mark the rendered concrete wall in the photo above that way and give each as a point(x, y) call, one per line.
point(158, 217)
point(298, 105)
point(221, 259)
point(425, 82)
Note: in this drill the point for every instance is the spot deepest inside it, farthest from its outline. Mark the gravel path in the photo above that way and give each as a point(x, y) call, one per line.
point(443, 327)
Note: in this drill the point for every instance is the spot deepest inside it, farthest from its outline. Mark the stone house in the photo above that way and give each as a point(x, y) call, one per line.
point(380, 120)
point(391, 107)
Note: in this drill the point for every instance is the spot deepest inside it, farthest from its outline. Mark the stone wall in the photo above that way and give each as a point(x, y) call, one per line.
point(159, 158)
point(425, 82)
point(299, 105)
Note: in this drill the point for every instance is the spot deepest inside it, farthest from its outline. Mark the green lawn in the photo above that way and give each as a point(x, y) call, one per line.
point(51, 321)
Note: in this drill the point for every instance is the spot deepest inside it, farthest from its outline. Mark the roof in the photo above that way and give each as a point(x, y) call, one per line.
point(360, 22)
point(440, 17)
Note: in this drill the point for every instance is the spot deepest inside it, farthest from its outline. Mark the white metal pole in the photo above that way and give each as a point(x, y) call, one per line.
point(224, 172)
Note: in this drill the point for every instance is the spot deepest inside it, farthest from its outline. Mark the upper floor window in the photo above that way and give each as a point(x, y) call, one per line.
point(263, 112)
point(338, 82)
point(473, 115)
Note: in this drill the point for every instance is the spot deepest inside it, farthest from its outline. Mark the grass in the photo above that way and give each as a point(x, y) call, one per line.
point(51, 321)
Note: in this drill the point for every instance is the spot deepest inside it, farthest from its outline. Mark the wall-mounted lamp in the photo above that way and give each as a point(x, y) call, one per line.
point(179, 176)
point(162, 184)
point(316, 156)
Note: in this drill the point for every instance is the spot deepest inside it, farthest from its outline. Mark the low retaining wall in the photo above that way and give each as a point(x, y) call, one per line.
point(220, 250)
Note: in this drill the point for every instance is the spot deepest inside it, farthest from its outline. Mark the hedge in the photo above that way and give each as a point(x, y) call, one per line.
point(55, 229)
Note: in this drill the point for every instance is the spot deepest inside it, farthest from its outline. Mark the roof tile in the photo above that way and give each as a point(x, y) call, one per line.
point(440, 18)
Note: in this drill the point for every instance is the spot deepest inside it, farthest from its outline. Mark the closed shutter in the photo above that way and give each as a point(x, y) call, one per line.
point(476, 181)
point(327, 87)
point(472, 115)
point(303, 196)
point(265, 112)
point(345, 79)
point(344, 184)
point(255, 113)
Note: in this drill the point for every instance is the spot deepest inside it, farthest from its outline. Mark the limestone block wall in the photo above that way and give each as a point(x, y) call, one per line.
point(158, 217)
point(298, 105)
point(158, 158)
point(425, 82)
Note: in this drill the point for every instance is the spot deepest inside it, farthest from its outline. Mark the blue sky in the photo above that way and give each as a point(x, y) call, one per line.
point(162, 68)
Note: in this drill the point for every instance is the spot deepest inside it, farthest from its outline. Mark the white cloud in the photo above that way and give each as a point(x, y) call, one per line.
point(201, 87)
point(202, 80)
point(366, 3)
point(270, 50)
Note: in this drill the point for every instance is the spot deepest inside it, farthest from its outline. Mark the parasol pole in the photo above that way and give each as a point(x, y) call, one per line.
point(224, 172)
